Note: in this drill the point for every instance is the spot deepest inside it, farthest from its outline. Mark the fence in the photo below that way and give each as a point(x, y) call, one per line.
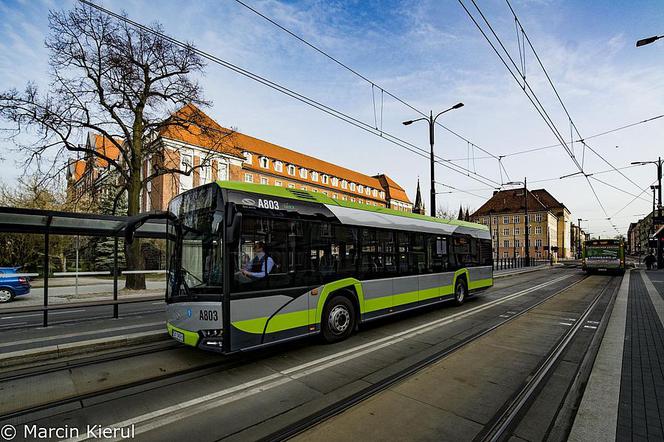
point(516, 263)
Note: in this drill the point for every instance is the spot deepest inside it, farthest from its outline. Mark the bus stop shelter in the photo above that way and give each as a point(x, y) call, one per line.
point(49, 222)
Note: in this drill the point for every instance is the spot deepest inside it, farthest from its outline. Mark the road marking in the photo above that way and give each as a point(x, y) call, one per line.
point(565, 323)
point(13, 324)
point(592, 322)
point(590, 326)
point(73, 335)
point(21, 316)
point(194, 406)
point(67, 311)
point(503, 316)
point(160, 302)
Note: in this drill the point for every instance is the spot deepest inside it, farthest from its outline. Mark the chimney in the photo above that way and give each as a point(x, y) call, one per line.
point(495, 192)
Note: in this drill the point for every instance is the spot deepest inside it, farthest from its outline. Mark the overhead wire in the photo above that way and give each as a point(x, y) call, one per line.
point(300, 97)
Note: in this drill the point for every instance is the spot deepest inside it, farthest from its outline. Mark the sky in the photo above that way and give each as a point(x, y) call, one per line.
point(429, 54)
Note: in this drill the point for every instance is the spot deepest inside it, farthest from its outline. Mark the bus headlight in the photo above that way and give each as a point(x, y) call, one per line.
point(214, 333)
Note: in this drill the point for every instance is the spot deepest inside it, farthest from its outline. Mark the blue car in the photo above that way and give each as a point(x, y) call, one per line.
point(12, 286)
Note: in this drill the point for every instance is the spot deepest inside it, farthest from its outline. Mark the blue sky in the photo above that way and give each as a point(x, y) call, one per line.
point(430, 54)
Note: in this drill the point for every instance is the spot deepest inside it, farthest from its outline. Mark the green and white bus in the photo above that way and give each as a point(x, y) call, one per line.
point(253, 265)
point(604, 255)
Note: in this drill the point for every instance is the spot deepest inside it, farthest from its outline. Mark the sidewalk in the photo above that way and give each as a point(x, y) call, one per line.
point(624, 398)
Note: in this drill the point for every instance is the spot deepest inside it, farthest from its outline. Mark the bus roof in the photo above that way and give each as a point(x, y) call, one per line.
point(331, 203)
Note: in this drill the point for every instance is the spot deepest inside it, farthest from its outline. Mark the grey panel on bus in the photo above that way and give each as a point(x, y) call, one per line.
point(427, 282)
point(347, 215)
point(446, 278)
point(298, 304)
point(377, 288)
point(405, 284)
point(259, 307)
point(477, 273)
point(186, 315)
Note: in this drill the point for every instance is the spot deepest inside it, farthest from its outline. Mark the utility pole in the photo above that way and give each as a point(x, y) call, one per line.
point(432, 124)
point(578, 249)
point(526, 221)
point(658, 187)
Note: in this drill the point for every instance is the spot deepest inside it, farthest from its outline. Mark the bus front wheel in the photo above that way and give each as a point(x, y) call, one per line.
point(460, 291)
point(338, 319)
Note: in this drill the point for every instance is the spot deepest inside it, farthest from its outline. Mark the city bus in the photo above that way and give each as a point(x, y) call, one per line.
point(604, 255)
point(251, 265)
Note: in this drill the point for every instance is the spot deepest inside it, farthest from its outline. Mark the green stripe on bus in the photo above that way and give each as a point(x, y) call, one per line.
point(488, 282)
point(190, 338)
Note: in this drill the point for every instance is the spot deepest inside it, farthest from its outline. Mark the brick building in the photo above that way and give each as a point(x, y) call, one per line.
point(237, 157)
point(549, 224)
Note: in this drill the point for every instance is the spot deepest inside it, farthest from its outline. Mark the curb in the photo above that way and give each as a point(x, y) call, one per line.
point(77, 348)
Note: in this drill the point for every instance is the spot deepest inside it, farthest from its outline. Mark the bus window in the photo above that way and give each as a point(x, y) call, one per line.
point(436, 254)
point(417, 257)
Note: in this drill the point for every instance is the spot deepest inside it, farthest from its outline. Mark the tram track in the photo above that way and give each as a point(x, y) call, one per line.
point(53, 408)
point(500, 426)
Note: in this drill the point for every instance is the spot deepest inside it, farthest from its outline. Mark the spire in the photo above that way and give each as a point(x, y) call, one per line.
point(461, 214)
point(419, 206)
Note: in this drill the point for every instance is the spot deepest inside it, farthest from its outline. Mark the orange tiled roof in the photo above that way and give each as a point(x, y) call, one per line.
point(106, 148)
point(203, 131)
point(235, 143)
point(77, 169)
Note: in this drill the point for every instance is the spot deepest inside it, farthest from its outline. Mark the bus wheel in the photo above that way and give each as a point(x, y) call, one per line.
point(338, 319)
point(460, 291)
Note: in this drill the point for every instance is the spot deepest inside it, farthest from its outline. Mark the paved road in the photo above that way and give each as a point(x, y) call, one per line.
point(248, 396)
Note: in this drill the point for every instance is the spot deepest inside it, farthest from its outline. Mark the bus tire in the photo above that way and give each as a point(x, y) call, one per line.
point(338, 321)
point(460, 291)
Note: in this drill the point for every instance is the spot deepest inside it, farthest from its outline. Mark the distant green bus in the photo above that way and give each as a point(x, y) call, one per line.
point(604, 255)
point(251, 265)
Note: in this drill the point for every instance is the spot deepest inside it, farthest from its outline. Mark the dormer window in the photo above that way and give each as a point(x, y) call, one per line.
point(291, 170)
point(374, 192)
point(344, 184)
point(325, 179)
point(265, 162)
point(352, 187)
point(335, 181)
point(314, 176)
point(278, 166)
point(382, 194)
point(360, 188)
point(248, 157)
point(303, 173)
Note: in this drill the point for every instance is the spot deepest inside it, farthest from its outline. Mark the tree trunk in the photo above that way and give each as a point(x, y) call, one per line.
point(133, 256)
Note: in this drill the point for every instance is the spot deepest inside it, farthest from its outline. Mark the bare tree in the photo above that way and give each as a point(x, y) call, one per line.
point(121, 82)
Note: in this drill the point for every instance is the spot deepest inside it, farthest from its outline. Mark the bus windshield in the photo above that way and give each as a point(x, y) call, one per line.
point(602, 252)
point(195, 245)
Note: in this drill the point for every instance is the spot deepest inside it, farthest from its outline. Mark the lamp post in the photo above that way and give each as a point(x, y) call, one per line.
point(432, 121)
point(525, 220)
point(658, 187)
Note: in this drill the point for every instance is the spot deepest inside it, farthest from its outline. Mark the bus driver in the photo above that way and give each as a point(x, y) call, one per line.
point(259, 267)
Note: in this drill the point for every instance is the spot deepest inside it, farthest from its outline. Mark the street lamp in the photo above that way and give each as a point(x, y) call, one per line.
point(647, 41)
point(432, 121)
point(526, 220)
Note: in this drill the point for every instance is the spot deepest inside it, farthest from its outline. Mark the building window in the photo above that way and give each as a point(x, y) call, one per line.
point(517, 219)
point(352, 200)
point(324, 193)
point(222, 171)
point(517, 243)
point(278, 166)
point(495, 220)
point(334, 196)
point(303, 173)
point(344, 184)
point(335, 181)
point(248, 157)
point(264, 162)
point(352, 187)
point(344, 197)
point(517, 231)
point(506, 219)
point(538, 243)
point(538, 217)
point(186, 181)
point(506, 243)
point(291, 170)
point(506, 232)
point(505, 255)
point(314, 190)
point(325, 179)
point(382, 194)
point(303, 187)
point(264, 180)
point(360, 188)
point(368, 191)
point(248, 178)
point(278, 183)
point(538, 230)
point(314, 176)
point(374, 192)
point(539, 254)
point(291, 186)
point(206, 174)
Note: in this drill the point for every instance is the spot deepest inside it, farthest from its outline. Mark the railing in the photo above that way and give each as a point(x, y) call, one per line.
point(517, 263)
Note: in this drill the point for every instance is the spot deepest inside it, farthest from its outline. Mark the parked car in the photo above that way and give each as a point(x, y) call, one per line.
point(12, 286)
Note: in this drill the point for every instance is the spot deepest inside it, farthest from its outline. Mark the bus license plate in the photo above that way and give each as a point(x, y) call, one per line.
point(178, 336)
